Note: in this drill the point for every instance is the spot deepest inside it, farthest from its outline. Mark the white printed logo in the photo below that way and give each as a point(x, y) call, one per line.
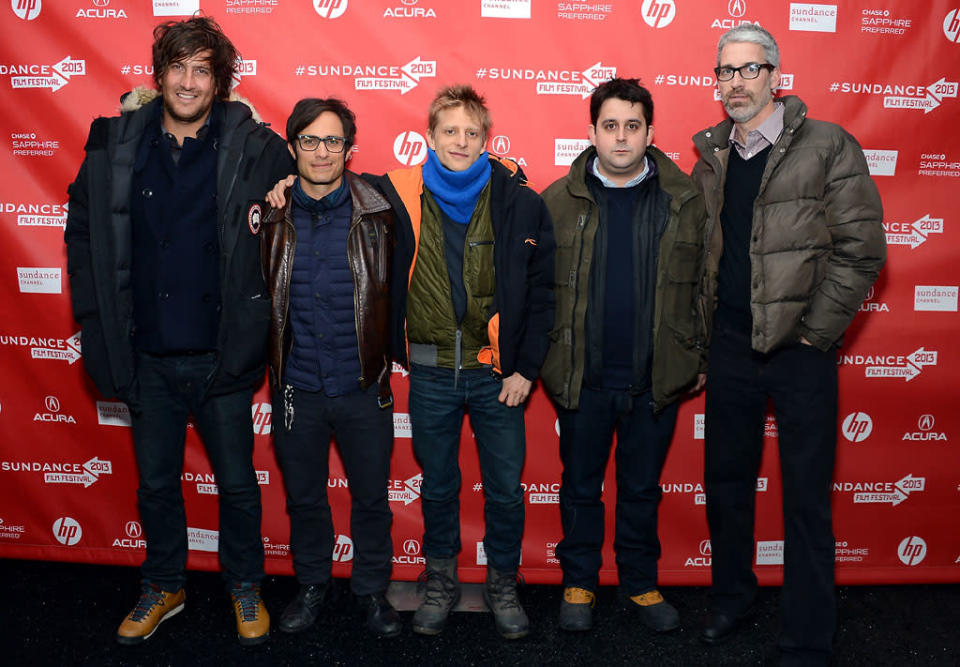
point(813, 18)
point(113, 413)
point(40, 280)
point(410, 148)
point(658, 13)
point(244, 68)
point(262, 418)
point(857, 426)
point(67, 531)
point(37, 215)
point(30, 9)
point(912, 550)
point(911, 367)
point(330, 9)
point(405, 491)
point(175, 7)
point(100, 10)
point(402, 428)
point(913, 233)
point(500, 144)
point(951, 25)
point(54, 76)
point(935, 297)
point(770, 552)
point(881, 162)
point(505, 9)
point(408, 11)
point(925, 432)
point(883, 492)
point(397, 368)
point(133, 529)
point(201, 539)
point(565, 151)
point(343, 549)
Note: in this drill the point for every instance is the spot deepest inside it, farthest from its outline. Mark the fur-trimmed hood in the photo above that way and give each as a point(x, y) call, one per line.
point(142, 95)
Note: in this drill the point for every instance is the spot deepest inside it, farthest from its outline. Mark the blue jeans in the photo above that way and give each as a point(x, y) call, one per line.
point(586, 435)
point(436, 416)
point(170, 389)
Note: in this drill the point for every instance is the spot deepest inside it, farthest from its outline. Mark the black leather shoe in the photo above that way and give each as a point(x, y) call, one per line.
point(303, 610)
point(719, 628)
point(382, 619)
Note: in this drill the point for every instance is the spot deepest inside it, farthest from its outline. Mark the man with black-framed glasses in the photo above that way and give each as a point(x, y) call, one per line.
point(795, 242)
point(326, 261)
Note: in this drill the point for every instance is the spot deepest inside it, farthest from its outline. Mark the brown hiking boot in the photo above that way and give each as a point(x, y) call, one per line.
point(253, 621)
point(153, 608)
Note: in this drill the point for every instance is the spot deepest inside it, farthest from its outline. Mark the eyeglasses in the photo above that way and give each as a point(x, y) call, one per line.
point(311, 142)
point(748, 71)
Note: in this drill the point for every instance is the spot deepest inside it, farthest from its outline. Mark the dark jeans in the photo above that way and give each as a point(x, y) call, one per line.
point(364, 435)
point(802, 381)
point(170, 389)
point(436, 416)
point(586, 435)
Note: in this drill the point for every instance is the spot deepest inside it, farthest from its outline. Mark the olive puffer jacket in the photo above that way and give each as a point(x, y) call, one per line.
point(817, 243)
point(678, 331)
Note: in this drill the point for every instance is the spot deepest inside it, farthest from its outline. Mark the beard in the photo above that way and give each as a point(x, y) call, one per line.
point(192, 118)
point(743, 112)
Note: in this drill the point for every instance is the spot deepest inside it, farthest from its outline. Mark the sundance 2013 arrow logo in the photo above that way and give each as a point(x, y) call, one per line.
point(87, 473)
point(936, 92)
point(913, 233)
point(54, 76)
point(894, 493)
point(907, 367)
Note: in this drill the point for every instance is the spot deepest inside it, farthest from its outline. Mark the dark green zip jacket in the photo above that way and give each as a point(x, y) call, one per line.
point(678, 329)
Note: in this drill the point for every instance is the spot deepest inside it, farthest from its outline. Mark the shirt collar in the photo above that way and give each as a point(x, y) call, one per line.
point(607, 183)
point(770, 129)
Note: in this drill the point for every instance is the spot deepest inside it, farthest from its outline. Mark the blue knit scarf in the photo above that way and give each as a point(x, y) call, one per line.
point(456, 192)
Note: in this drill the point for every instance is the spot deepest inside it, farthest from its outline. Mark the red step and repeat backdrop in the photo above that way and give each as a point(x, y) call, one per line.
point(886, 70)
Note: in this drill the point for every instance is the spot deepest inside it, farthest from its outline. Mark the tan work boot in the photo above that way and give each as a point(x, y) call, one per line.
point(253, 621)
point(153, 608)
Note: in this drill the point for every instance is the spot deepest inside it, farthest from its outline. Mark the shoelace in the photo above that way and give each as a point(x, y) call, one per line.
point(504, 589)
point(436, 595)
point(249, 601)
point(150, 597)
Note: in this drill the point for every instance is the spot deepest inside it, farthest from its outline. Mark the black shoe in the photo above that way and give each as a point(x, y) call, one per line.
point(719, 628)
point(382, 619)
point(303, 610)
point(441, 592)
point(500, 594)
point(654, 612)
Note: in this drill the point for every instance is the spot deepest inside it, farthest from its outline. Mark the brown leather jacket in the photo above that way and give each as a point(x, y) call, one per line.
point(369, 252)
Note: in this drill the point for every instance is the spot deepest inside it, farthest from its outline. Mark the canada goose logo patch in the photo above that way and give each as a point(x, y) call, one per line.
point(253, 219)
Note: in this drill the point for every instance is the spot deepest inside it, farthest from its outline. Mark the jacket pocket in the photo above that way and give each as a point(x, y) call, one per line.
point(245, 343)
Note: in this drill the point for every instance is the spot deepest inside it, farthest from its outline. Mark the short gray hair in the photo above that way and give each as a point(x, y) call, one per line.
point(749, 32)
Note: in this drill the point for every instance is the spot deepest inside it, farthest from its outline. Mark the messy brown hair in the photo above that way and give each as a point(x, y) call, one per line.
point(175, 41)
point(460, 95)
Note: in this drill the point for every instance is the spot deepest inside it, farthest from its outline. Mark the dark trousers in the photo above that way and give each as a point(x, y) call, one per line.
point(586, 436)
point(802, 381)
point(436, 417)
point(170, 389)
point(364, 435)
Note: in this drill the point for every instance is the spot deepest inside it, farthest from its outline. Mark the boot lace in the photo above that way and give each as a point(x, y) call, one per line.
point(150, 597)
point(247, 599)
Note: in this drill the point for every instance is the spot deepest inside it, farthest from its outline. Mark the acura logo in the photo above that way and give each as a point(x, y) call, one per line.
point(52, 404)
point(500, 144)
point(925, 423)
point(133, 529)
point(705, 548)
point(411, 547)
point(737, 8)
